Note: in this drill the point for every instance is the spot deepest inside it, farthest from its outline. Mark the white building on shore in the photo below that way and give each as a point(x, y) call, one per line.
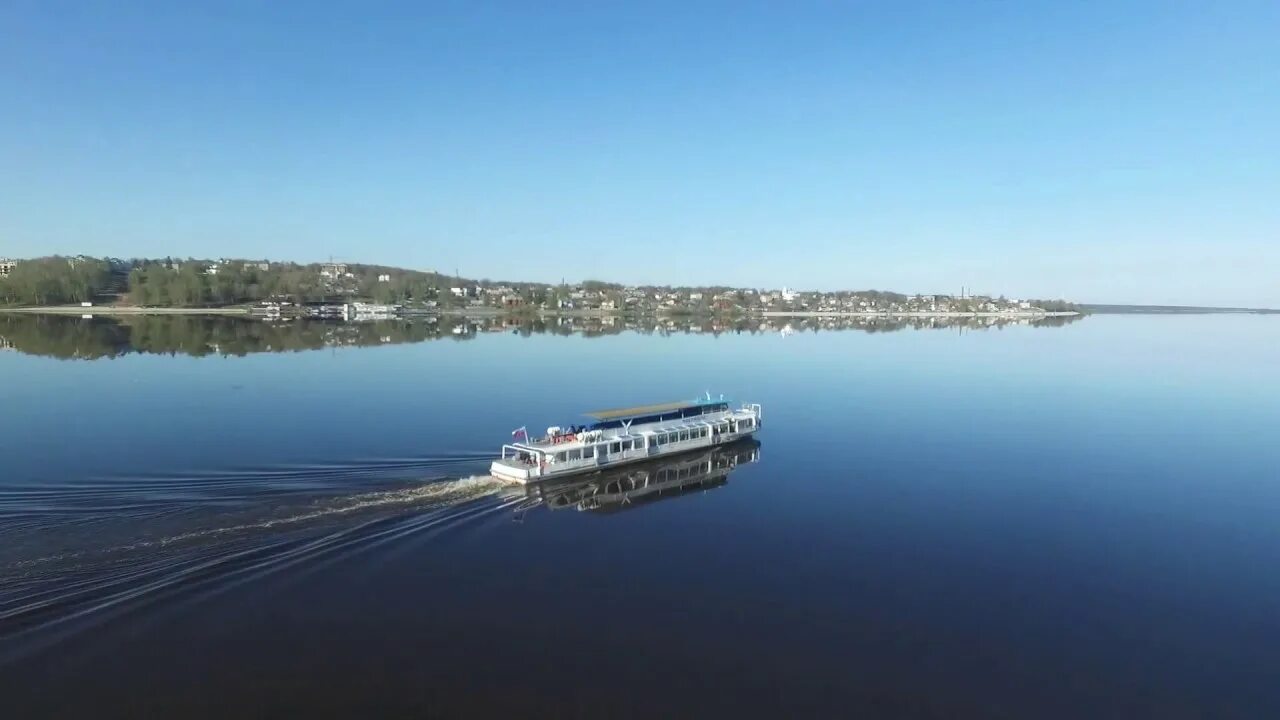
point(334, 270)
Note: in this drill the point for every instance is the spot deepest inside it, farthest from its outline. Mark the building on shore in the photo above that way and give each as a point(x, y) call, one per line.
point(334, 270)
point(7, 266)
point(369, 311)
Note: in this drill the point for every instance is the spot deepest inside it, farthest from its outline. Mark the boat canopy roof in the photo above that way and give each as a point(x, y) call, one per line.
point(637, 411)
point(645, 414)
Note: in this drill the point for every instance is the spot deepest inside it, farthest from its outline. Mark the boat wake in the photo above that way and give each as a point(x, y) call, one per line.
point(29, 503)
point(192, 550)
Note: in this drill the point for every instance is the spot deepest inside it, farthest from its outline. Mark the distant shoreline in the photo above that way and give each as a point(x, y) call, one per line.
point(123, 310)
point(241, 310)
point(904, 314)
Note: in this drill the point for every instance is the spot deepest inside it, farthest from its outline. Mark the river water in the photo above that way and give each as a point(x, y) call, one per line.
point(223, 518)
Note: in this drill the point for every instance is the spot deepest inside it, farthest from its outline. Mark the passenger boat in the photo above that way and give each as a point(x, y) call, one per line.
point(626, 435)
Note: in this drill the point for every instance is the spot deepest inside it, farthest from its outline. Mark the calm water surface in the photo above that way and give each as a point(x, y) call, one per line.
point(1073, 521)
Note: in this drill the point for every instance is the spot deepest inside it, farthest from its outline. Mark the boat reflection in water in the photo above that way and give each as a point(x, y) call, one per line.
point(635, 485)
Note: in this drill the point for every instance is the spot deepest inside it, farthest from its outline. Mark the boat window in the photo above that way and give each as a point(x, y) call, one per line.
point(615, 448)
point(560, 457)
point(684, 434)
point(589, 451)
point(575, 454)
point(625, 445)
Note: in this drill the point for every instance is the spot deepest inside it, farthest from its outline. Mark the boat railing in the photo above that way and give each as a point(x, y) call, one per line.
point(520, 454)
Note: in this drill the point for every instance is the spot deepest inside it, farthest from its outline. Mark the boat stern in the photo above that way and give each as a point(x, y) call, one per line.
point(507, 470)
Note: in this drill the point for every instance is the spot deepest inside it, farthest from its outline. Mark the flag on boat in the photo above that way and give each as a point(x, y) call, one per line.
point(519, 433)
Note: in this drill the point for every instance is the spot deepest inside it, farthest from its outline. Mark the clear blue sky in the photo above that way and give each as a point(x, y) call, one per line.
point(1101, 151)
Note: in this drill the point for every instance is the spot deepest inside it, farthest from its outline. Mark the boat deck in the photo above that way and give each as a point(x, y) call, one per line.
point(595, 436)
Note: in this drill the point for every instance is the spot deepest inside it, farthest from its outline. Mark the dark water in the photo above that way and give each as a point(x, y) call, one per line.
point(1074, 521)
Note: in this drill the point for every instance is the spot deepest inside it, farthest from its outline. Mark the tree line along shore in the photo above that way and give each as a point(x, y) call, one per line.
point(168, 285)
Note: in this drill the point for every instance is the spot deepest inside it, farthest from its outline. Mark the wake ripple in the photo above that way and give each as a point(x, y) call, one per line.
point(51, 594)
point(51, 498)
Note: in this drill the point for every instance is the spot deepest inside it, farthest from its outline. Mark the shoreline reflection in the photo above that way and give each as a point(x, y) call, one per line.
point(100, 337)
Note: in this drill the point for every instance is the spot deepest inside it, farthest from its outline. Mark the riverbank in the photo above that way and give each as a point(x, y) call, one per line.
point(503, 312)
point(885, 313)
point(478, 312)
point(123, 310)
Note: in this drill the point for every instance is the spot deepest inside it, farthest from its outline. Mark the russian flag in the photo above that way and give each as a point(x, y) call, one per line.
point(519, 433)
